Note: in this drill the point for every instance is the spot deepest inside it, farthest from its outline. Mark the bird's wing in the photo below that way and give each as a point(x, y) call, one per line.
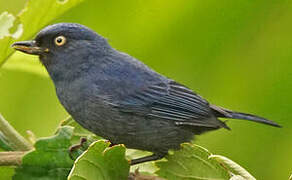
point(170, 101)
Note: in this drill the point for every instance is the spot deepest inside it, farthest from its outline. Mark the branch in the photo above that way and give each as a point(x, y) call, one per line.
point(11, 158)
point(17, 141)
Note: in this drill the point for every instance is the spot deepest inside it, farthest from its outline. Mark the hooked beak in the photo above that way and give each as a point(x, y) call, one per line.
point(29, 47)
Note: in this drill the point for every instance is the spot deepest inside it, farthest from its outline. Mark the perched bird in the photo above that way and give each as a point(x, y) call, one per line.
point(118, 97)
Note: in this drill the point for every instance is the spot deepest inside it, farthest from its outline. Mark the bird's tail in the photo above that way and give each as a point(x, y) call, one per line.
point(225, 113)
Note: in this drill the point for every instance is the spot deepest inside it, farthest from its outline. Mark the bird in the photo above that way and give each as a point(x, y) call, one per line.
point(119, 98)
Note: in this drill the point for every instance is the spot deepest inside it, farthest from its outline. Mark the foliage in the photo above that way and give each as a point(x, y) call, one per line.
point(195, 163)
point(191, 162)
point(234, 169)
point(39, 12)
point(101, 162)
point(50, 159)
point(6, 21)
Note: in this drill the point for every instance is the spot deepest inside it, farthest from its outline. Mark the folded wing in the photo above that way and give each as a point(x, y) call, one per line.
point(171, 101)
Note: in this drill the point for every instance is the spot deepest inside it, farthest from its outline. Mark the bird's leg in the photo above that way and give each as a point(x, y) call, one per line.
point(77, 146)
point(152, 157)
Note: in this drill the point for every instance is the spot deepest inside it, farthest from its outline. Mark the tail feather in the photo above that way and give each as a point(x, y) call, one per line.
point(225, 113)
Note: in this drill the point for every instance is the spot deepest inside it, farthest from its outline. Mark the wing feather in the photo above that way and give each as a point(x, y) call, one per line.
point(170, 101)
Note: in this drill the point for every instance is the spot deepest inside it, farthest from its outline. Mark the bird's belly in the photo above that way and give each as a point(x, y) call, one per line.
point(134, 131)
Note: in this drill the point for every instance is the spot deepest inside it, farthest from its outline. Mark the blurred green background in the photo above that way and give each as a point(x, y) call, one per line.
point(236, 54)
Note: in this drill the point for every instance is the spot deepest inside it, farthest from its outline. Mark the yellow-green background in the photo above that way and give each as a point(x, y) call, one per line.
point(235, 53)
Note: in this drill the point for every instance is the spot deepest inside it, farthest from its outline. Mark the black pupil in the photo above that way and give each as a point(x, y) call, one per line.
point(59, 40)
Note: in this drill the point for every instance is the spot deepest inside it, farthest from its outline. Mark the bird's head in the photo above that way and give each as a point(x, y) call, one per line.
point(64, 46)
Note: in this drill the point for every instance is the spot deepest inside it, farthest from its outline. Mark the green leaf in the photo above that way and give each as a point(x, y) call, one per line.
point(144, 168)
point(78, 133)
point(6, 21)
point(42, 13)
point(50, 159)
point(101, 162)
point(139, 176)
point(233, 167)
point(6, 38)
point(32, 19)
point(78, 130)
point(192, 162)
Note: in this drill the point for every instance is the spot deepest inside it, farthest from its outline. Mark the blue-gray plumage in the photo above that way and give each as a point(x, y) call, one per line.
point(118, 97)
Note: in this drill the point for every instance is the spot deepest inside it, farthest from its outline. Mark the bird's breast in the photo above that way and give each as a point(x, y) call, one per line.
point(84, 102)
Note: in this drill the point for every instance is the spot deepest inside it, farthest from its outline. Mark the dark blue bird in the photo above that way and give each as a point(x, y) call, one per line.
point(118, 97)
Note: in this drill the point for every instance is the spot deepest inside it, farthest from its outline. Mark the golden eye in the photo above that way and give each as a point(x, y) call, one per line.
point(60, 40)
